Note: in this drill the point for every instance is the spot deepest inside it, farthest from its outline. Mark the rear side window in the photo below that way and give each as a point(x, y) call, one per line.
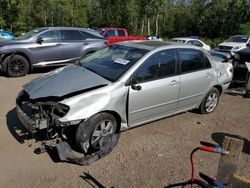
point(195, 42)
point(193, 60)
point(90, 36)
point(72, 35)
point(121, 33)
point(159, 65)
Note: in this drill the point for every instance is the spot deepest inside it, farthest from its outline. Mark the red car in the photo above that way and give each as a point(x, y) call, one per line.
point(114, 35)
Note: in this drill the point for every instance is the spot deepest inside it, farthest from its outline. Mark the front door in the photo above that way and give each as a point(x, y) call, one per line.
point(50, 50)
point(154, 88)
point(73, 44)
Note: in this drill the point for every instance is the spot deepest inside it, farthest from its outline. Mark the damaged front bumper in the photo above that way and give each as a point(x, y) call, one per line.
point(37, 115)
point(28, 122)
point(40, 114)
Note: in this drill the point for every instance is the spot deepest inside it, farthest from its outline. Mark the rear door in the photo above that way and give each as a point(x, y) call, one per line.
point(196, 77)
point(73, 42)
point(159, 91)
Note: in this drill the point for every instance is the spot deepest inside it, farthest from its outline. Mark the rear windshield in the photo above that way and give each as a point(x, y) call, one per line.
point(239, 39)
point(112, 62)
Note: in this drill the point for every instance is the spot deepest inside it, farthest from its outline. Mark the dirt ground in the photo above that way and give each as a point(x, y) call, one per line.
point(153, 155)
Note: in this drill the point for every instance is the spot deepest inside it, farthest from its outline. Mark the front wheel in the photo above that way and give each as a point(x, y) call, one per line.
point(16, 66)
point(90, 132)
point(210, 101)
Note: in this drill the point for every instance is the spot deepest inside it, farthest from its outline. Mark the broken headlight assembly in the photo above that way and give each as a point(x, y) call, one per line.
point(69, 123)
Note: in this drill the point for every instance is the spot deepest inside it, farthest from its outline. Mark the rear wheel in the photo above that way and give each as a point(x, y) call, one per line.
point(90, 132)
point(16, 66)
point(210, 101)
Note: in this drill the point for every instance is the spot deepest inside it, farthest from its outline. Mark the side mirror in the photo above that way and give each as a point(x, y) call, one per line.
point(39, 40)
point(248, 44)
point(133, 83)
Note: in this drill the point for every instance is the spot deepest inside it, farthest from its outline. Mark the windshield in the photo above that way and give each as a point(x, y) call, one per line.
point(28, 35)
point(239, 39)
point(112, 62)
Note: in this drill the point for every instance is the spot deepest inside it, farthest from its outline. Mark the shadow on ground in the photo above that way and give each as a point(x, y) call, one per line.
point(21, 134)
point(16, 128)
point(219, 137)
point(93, 182)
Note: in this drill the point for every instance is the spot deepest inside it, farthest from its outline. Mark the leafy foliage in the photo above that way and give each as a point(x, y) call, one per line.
point(167, 18)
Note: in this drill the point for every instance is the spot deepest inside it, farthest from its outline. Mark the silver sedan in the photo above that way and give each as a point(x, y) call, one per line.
point(120, 87)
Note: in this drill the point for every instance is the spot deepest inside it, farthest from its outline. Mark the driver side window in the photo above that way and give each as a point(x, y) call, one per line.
point(160, 65)
point(51, 36)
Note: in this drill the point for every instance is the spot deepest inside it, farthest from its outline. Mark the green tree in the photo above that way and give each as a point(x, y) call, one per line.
point(10, 12)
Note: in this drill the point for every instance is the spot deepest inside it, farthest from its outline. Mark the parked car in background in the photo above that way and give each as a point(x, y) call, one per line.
point(192, 41)
point(4, 35)
point(234, 44)
point(114, 35)
point(120, 87)
point(48, 46)
point(241, 77)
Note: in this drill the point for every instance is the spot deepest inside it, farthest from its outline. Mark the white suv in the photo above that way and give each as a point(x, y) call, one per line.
point(234, 44)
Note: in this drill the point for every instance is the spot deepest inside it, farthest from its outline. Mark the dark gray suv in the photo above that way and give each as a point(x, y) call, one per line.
point(50, 46)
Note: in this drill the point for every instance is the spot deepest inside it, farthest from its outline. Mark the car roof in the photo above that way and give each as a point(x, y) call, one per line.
point(151, 45)
point(112, 28)
point(240, 36)
point(91, 31)
point(184, 38)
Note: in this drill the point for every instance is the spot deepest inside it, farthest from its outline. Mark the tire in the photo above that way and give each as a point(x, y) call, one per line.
point(16, 66)
point(210, 101)
point(89, 133)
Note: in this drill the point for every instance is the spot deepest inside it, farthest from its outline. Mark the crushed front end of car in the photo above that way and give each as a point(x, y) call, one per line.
point(40, 114)
point(44, 114)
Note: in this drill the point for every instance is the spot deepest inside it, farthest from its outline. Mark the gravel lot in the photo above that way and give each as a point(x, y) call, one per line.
point(153, 155)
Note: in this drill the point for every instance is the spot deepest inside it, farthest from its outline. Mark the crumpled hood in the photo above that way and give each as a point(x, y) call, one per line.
point(223, 70)
point(63, 81)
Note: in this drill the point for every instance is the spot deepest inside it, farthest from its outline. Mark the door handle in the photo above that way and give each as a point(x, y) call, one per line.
point(173, 83)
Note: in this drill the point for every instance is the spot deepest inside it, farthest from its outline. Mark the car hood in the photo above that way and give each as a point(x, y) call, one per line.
point(232, 44)
point(64, 81)
point(11, 42)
